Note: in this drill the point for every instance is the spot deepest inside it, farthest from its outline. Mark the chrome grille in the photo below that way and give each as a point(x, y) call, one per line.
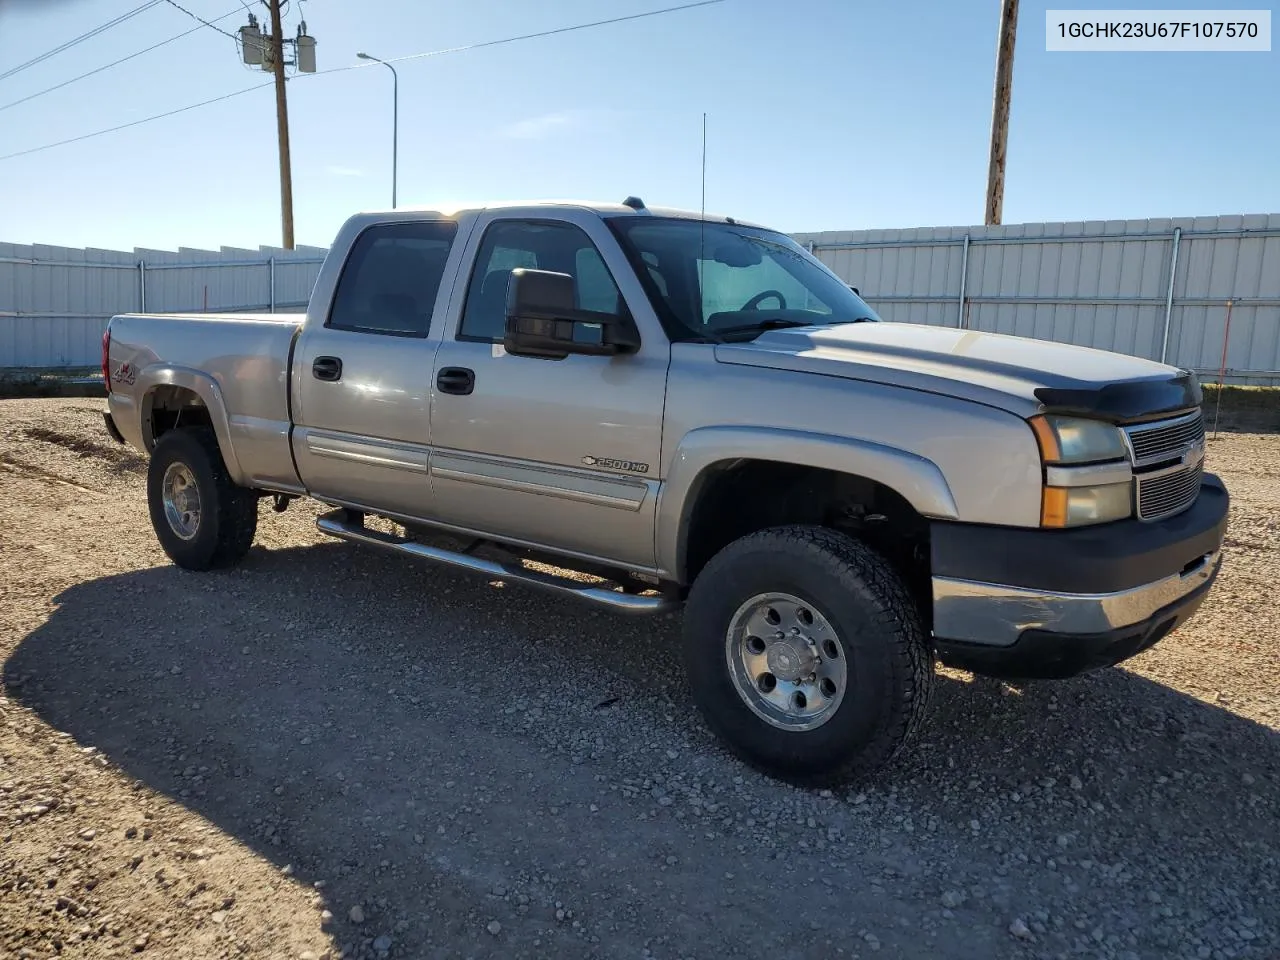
point(1168, 460)
point(1169, 491)
point(1165, 439)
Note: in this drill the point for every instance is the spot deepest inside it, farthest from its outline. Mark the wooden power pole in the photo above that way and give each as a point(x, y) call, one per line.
point(1000, 110)
point(282, 124)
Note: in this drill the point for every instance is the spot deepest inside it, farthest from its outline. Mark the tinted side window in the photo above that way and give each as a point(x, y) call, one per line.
point(391, 278)
point(508, 244)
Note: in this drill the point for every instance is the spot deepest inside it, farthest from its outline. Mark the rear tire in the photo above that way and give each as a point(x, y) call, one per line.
point(202, 519)
point(806, 654)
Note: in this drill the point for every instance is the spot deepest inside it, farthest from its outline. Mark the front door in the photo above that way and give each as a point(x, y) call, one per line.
point(558, 453)
point(363, 376)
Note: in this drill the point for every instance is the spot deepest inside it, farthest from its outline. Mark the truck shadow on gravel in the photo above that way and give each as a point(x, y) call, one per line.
point(448, 754)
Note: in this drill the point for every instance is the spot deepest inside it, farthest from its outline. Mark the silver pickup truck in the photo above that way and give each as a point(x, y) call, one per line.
point(675, 409)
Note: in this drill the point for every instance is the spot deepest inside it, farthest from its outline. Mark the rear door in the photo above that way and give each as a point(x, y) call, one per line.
point(362, 379)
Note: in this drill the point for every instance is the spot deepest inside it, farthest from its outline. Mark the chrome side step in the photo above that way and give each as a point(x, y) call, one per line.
point(337, 524)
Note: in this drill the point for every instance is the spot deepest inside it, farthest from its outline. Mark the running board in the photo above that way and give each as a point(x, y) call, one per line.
point(336, 525)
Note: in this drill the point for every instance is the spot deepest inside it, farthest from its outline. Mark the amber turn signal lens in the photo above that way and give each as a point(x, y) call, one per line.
point(1053, 507)
point(1050, 452)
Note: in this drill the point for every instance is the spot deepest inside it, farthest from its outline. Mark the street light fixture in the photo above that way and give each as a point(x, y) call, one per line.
point(395, 119)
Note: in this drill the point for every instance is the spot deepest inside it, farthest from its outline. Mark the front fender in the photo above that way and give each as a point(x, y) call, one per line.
point(917, 479)
point(206, 388)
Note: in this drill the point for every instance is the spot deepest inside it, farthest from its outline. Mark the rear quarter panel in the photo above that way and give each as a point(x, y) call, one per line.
point(237, 364)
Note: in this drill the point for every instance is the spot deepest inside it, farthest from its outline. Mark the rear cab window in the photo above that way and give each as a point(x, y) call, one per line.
point(390, 280)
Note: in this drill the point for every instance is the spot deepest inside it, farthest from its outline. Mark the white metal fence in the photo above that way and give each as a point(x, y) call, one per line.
point(56, 301)
point(1152, 288)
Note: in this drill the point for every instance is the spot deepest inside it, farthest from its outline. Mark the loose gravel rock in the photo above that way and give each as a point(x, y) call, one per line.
point(488, 772)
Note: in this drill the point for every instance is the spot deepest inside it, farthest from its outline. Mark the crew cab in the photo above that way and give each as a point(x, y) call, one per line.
point(694, 412)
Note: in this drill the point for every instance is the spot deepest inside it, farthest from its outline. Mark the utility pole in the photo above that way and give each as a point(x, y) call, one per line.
point(1000, 111)
point(268, 53)
point(282, 124)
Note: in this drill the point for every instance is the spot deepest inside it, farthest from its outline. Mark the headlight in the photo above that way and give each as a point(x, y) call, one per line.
point(1074, 440)
point(1088, 478)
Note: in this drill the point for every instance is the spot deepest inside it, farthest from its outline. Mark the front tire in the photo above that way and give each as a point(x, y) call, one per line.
point(202, 519)
point(806, 654)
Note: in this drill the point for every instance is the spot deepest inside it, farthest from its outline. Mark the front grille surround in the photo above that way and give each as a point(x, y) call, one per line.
point(1168, 461)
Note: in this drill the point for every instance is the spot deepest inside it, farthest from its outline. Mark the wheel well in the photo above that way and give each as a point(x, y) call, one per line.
point(743, 496)
point(170, 407)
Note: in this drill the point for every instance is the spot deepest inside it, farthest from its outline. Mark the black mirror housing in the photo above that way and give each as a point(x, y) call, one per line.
point(544, 321)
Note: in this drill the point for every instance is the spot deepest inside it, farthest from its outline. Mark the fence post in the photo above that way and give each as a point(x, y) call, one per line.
point(1168, 303)
point(964, 276)
point(142, 286)
point(272, 264)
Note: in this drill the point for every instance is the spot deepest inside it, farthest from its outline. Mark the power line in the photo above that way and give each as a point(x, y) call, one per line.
point(113, 63)
point(80, 39)
point(135, 123)
point(527, 36)
point(414, 56)
point(193, 16)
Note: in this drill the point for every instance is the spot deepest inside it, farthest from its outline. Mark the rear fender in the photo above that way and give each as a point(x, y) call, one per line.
point(702, 452)
point(206, 388)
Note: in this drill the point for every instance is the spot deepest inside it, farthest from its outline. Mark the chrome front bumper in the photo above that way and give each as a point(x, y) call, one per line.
point(995, 615)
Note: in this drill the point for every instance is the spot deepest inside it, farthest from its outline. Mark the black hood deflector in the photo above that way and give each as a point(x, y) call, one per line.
point(1127, 402)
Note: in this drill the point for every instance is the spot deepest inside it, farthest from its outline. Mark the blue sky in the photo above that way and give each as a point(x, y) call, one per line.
point(822, 114)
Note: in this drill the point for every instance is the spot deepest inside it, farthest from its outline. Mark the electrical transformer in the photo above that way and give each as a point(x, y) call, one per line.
point(252, 48)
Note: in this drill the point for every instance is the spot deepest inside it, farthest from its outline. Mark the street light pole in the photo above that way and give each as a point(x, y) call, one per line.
point(395, 121)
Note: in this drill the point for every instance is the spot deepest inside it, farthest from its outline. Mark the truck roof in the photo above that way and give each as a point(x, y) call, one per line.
point(603, 208)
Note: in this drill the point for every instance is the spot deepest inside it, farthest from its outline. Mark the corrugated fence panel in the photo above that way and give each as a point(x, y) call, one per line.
point(1103, 284)
point(55, 302)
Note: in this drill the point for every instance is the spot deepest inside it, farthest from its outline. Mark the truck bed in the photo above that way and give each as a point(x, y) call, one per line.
point(246, 355)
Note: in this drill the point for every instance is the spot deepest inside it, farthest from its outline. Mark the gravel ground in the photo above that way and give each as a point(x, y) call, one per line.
point(330, 751)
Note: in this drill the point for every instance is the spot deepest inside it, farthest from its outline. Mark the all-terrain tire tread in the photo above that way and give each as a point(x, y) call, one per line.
point(236, 507)
point(862, 570)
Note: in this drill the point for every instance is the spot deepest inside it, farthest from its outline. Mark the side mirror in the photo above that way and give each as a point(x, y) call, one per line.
point(544, 321)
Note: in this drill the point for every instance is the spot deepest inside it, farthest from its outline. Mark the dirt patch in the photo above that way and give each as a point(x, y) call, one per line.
point(11, 464)
point(116, 454)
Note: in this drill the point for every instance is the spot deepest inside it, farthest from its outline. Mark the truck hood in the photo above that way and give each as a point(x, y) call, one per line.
point(1021, 375)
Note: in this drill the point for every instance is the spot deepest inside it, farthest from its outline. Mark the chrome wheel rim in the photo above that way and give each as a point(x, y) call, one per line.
point(181, 500)
point(786, 661)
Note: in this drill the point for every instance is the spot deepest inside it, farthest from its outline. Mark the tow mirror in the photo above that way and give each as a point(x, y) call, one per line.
point(543, 319)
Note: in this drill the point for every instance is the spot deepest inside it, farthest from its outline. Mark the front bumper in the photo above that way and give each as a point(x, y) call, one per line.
point(1057, 603)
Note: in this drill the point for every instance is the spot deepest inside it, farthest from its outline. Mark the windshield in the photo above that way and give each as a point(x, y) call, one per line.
point(723, 281)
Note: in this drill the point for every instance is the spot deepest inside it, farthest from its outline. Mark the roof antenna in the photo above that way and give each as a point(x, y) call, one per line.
point(702, 219)
point(704, 165)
